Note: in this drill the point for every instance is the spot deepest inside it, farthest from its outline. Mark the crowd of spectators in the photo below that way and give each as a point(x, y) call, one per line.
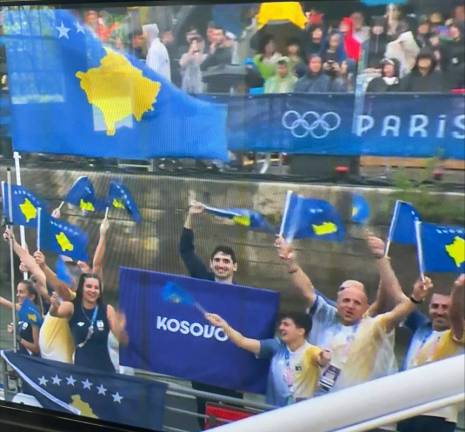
point(393, 51)
point(326, 55)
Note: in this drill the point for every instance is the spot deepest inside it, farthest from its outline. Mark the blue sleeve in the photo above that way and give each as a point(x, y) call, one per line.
point(323, 312)
point(268, 348)
point(194, 264)
point(415, 320)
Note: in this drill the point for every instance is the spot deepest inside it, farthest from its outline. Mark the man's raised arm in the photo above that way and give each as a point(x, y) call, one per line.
point(194, 264)
point(420, 291)
point(389, 292)
point(298, 277)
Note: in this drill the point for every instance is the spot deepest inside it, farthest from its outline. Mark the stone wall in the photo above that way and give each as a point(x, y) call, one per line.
point(163, 201)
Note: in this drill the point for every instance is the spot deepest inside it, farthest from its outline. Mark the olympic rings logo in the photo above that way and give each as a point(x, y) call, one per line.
point(311, 122)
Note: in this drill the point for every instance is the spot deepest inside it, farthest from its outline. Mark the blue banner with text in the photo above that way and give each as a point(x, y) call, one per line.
point(168, 333)
point(401, 125)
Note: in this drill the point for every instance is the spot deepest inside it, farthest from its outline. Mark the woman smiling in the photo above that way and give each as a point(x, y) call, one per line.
point(90, 321)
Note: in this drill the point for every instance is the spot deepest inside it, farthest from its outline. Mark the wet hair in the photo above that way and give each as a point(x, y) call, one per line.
point(226, 250)
point(300, 319)
point(31, 291)
point(80, 287)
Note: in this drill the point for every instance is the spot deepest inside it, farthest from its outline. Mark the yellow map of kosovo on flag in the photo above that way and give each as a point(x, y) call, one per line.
point(86, 205)
point(117, 203)
point(64, 242)
point(28, 210)
point(243, 220)
point(118, 90)
point(324, 228)
point(456, 250)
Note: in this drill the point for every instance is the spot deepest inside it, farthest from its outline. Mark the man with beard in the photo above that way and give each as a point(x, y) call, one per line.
point(436, 337)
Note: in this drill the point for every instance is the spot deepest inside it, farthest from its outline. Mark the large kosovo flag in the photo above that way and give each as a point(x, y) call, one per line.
point(24, 205)
point(310, 218)
point(76, 390)
point(442, 248)
point(89, 100)
point(168, 333)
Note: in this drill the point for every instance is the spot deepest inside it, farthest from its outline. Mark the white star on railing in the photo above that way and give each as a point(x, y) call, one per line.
point(70, 380)
point(56, 380)
point(101, 390)
point(117, 398)
point(86, 384)
point(43, 381)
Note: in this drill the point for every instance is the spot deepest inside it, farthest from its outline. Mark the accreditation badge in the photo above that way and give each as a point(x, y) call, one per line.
point(329, 378)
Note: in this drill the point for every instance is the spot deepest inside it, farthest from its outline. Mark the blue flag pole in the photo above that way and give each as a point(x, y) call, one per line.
point(12, 265)
point(392, 227)
point(285, 212)
point(421, 262)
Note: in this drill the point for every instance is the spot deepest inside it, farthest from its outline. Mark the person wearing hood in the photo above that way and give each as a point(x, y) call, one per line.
point(313, 43)
point(315, 80)
point(351, 45)
point(334, 50)
point(157, 55)
point(406, 50)
point(283, 80)
point(389, 79)
point(453, 56)
point(424, 77)
point(376, 44)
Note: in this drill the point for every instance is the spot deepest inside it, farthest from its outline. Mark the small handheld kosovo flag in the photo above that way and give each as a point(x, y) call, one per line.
point(360, 209)
point(173, 293)
point(119, 197)
point(402, 228)
point(62, 238)
point(24, 205)
point(82, 195)
point(29, 312)
point(244, 217)
point(310, 218)
point(62, 272)
point(441, 248)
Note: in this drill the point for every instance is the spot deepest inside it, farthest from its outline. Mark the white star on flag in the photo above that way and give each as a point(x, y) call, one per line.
point(79, 28)
point(117, 397)
point(101, 390)
point(70, 380)
point(56, 380)
point(43, 381)
point(86, 384)
point(63, 31)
